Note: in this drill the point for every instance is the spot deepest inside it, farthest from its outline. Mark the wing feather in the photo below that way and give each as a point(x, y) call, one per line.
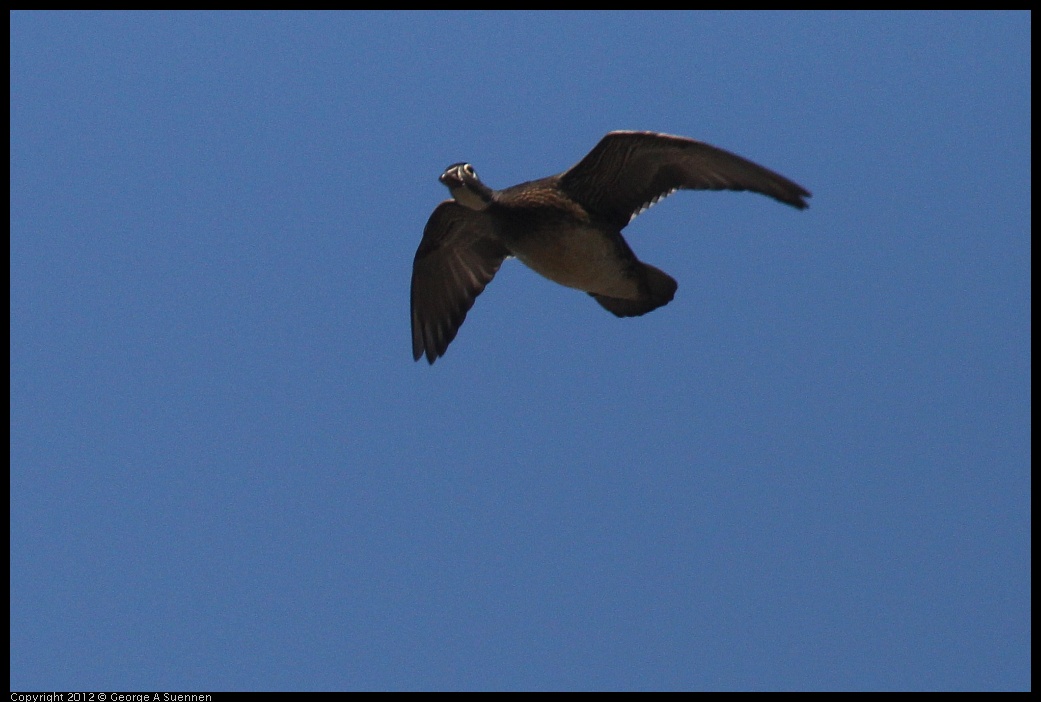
point(455, 260)
point(627, 172)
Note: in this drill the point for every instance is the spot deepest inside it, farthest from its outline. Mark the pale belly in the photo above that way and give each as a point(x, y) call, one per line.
point(583, 259)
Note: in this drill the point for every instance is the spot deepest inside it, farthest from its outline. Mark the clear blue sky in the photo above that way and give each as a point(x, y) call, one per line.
point(808, 471)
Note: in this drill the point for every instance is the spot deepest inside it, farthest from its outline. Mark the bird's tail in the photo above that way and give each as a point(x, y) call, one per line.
point(657, 288)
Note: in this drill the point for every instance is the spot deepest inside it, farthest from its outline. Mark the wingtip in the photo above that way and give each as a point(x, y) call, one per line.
point(418, 351)
point(798, 199)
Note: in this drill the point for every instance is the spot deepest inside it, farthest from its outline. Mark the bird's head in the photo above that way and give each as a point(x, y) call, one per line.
point(467, 189)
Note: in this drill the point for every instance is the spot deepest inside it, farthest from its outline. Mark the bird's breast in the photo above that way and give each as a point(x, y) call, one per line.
point(579, 257)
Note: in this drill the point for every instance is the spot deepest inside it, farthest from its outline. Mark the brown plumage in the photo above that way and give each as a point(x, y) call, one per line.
point(567, 227)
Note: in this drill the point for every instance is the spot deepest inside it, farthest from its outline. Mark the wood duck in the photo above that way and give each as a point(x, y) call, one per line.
point(567, 227)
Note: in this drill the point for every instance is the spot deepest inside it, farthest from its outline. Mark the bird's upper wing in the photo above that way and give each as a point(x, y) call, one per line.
point(629, 171)
point(455, 260)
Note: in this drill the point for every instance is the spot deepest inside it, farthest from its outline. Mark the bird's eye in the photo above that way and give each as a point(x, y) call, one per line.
point(469, 169)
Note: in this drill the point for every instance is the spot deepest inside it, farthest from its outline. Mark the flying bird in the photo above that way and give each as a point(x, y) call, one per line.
point(567, 227)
